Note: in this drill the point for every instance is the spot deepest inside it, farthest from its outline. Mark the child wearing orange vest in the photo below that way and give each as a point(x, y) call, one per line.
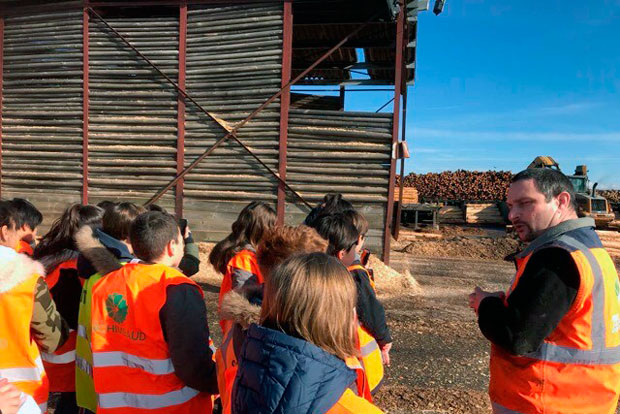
point(28, 219)
point(235, 256)
point(301, 359)
point(344, 239)
point(150, 336)
point(58, 254)
point(28, 317)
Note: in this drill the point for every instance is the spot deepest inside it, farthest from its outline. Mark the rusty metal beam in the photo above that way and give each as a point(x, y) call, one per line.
point(1, 89)
point(251, 116)
point(398, 76)
point(178, 193)
point(231, 132)
point(399, 208)
point(85, 104)
point(285, 101)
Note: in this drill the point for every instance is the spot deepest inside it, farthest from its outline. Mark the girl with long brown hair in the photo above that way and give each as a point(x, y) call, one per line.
point(235, 256)
point(58, 253)
point(303, 355)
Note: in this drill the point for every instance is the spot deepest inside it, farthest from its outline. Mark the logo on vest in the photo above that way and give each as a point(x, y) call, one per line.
point(116, 307)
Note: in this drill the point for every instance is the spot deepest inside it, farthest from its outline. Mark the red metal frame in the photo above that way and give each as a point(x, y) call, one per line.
point(399, 208)
point(398, 76)
point(85, 105)
point(285, 101)
point(178, 198)
point(1, 89)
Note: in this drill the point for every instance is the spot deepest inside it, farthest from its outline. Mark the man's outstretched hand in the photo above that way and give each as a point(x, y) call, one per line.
point(478, 295)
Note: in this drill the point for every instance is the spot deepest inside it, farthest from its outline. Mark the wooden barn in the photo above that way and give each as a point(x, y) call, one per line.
point(189, 104)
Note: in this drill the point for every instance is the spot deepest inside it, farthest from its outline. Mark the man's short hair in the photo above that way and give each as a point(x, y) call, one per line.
point(8, 215)
point(117, 219)
point(339, 231)
point(27, 213)
point(549, 182)
point(150, 234)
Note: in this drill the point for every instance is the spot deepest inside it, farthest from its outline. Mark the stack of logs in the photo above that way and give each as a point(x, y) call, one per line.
point(483, 213)
point(612, 196)
point(611, 242)
point(451, 215)
point(460, 185)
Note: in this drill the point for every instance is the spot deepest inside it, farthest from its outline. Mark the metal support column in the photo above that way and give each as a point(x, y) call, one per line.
point(399, 208)
point(1, 89)
point(285, 101)
point(178, 193)
point(398, 76)
point(342, 97)
point(85, 104)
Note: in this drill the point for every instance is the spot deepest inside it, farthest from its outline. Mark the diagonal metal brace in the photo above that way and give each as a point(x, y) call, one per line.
point(231, 132)
point(225, 125)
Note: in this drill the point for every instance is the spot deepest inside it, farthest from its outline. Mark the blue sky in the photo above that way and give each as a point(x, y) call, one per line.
point(500, 82)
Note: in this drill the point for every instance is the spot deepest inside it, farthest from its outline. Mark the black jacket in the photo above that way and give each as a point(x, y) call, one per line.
point(544, 294)
point(370, 311)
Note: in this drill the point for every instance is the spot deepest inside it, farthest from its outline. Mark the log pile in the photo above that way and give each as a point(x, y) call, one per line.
point(611, 242)
point(483, 213)
point(612, 196)
point(460, 185)
point(451, 215)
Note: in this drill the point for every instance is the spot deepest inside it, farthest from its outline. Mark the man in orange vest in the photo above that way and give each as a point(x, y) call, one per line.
point(555, 333)
point(150, 338)
point(28, 316)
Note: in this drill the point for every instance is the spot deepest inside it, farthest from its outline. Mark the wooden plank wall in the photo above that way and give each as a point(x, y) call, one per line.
point(234, 64)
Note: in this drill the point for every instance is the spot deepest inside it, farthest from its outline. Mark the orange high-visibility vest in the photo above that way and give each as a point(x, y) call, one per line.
point(349, 403)
point(20, 361)
point(243, 266)
point(132, 369)
point(362, 268)
point(60, 365)
point(370, 354)
point(23, 247)
point(226, 363)
point(371, 359)
point(577, 368)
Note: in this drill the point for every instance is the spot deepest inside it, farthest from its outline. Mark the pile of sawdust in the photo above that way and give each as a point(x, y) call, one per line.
point(207, 273)
point(388, 280)
point(473, 248)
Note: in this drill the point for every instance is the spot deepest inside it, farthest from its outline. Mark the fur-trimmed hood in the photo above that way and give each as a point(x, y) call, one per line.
point(95, 252)
point(240, 306)
point(51, 262)
point(16, 268)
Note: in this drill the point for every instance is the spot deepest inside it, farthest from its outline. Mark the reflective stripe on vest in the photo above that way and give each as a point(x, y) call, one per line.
point(122, 359)
point(371, 359)
point(499, 409)
point(599, 354)
point(576, 370)
point(134, 371)
point(24, 374)
point(369, 348)
point(66, 358)
point(145, 401)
